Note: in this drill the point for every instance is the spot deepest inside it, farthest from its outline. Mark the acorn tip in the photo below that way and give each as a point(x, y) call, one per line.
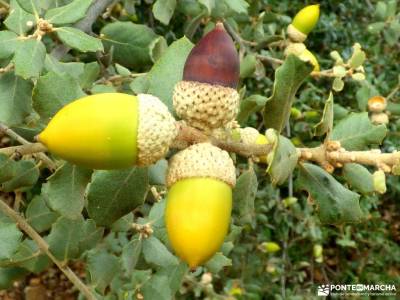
point(220, 25)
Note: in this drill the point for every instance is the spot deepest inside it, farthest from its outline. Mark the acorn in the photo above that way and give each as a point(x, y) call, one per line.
point(206, 98)
point(199, 202)
point(250, 135)
point(270, 247)
point(111, 131)
point(318, 253)
point(303, 23)
point(379, 180)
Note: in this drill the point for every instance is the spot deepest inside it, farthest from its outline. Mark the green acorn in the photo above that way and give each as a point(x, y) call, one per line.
point(111, 131)
point(303, 23)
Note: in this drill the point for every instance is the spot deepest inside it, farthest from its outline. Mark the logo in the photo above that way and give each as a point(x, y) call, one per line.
point(323, 290)
point(359, 287)
point(356, 290)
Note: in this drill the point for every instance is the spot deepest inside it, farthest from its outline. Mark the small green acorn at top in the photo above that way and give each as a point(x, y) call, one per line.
point(304, 21)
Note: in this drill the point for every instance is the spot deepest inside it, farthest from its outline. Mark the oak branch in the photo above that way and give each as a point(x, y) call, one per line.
point(329, 155)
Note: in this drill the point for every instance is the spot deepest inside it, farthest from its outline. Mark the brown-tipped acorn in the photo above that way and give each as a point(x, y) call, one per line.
point(206, 97)
point(213, 60)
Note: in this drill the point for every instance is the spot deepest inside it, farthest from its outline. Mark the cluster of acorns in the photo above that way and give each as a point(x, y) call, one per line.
point(115, 130)
point(201, 177)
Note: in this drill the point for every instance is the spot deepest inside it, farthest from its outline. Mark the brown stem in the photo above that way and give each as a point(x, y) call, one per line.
point(188, 135)
point(7, 68)
point(371, 158)
point(17, 200)
point(329, 73)
point(337, 158)
point(329, 155)
point(324, 73)
point(43, 157)
point(270, 59)
point(245, 150)
point(120, 78)
point(44, 247)
point(24, 149)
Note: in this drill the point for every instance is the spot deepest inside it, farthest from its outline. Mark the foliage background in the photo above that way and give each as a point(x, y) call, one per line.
point(367, 252)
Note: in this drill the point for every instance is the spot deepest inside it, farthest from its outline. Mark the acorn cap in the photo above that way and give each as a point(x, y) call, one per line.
point(252, 136)
point(201, 160)
point(380, 118)
point(248, 135)
point(205, 106)
point(295, 48)
point(377, 104)
point(296, 35)
point(156, 130)
point(214, 60)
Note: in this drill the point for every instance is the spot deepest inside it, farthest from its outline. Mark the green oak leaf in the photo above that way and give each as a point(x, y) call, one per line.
point(288, 78)
point(336, 204)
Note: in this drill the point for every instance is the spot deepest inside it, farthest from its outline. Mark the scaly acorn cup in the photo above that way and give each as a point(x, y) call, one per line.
point(250, 135)
point(206, 98)
point(111, 131)
point(303, 23)
point(199, 202)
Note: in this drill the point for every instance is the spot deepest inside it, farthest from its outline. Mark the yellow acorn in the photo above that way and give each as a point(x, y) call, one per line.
point(303, 23)
point(295, 113)
point(110, 131)
point(199, 203)
point(379, 180)
point(236, 291)
point(249, 135)
point(289, 201)
point(270, 247)
point(317, 251)
point(206, 98)
point(300, 50)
